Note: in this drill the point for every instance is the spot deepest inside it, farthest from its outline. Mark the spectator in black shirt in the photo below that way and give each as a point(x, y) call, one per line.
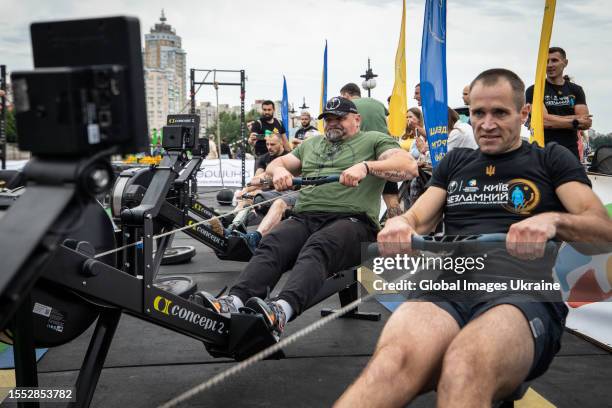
point(565, 108)
point(479, 351)
point(306, 129)
point(273, 211)
point(266, 125)
point(226, 151)
point(274, 149)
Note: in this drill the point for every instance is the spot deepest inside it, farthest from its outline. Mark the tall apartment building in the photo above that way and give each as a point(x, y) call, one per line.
point(165, 73)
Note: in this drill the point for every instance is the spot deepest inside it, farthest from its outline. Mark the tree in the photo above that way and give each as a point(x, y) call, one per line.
point(11, 126)
point(230, 125)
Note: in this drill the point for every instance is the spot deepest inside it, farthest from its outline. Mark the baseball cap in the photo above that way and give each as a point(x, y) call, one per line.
point(338, 106)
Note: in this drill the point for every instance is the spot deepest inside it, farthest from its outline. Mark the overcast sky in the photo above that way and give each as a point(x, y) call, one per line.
point(270, 39)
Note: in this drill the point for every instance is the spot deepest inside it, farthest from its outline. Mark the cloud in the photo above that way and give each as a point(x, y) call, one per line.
point(270, 39)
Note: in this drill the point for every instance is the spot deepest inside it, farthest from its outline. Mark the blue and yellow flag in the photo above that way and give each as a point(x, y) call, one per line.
point(399, 100)
point(285, 107)
point(323, 90)
point(433, 79)
point(537, 111)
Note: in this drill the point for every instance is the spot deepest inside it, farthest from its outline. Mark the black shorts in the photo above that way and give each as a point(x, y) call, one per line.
point(545, 323)
point(289, 197)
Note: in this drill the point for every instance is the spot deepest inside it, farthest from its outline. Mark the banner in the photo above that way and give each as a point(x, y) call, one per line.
point(579, 274)
point(433, 78)
point(285, 108)
point(399, 101)
point(210, 175)
point(537, 107)
point(323, 90)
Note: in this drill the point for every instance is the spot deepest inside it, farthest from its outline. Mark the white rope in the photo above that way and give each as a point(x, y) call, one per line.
point(217, 379)
point(218, 217)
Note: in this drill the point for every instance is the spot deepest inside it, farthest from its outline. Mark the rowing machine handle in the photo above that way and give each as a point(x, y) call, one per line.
point(437, 244)
point(314, 181)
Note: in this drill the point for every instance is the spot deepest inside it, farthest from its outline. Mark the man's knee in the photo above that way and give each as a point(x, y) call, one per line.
point(390, 361)
point(278, 206)
point(461, 366)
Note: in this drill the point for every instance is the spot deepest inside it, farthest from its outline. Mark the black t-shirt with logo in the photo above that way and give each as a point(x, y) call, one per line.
point(489, 193)
point(260, 126)
point(560, 100)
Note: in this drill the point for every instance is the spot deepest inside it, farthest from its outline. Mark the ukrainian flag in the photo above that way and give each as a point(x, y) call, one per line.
point(323, 90)
point(399, 101)
point(537, 111)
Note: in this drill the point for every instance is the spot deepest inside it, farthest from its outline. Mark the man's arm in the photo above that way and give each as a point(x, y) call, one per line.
point(583, 116)
point(255, 130)
point(587, 224)
point(581, 113)
point(426, 212)
point(252, 138)
point(588, 219)
point(282, 170)
point(286, 145)
point(394, 165)
point(421, 218)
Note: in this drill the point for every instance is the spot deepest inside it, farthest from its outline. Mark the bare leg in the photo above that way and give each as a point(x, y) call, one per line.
point(488, 360)
point(407, 358)
point(273, 217)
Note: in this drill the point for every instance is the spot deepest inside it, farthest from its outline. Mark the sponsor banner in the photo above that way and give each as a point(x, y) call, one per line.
point(231, 169)
point(15, 164)
point(580, 273)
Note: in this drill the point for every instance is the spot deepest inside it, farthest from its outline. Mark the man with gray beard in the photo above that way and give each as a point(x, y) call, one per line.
point(330, 221)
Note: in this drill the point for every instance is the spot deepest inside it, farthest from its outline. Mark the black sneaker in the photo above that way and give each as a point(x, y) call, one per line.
point(273, 314)
point(223, 305)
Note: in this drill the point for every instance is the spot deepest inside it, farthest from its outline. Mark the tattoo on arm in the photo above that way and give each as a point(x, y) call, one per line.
point(392, 175)
point(394, 212)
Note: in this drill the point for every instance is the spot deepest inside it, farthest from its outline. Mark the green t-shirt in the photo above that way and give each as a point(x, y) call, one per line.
point(322, 158)
point(373, 115)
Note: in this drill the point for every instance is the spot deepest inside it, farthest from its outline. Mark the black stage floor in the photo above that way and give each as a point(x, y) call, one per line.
point(148, 365)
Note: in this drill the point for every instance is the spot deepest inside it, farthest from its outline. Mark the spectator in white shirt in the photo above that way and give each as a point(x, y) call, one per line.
point(461, 134)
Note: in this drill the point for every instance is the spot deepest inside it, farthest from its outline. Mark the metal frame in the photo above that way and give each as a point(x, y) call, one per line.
point(241, 84)
point(3, 117)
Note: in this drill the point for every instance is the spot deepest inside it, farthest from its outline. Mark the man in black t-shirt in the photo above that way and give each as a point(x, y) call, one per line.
point(266, 125)
point(275, 210)
point(566, 110)
point(274, 149)
point(226, 151)
point(481, 350)
point(306, 129)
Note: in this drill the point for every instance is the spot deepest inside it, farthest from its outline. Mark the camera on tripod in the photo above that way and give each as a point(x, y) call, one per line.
point(86, 93)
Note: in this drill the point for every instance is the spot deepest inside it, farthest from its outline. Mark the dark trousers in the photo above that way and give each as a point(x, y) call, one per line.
point(310, 247)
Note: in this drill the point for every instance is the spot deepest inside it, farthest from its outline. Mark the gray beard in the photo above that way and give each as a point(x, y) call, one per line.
point(334, 135)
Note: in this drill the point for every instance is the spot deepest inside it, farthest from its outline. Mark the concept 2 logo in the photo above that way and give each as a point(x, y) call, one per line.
point(163, 305)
